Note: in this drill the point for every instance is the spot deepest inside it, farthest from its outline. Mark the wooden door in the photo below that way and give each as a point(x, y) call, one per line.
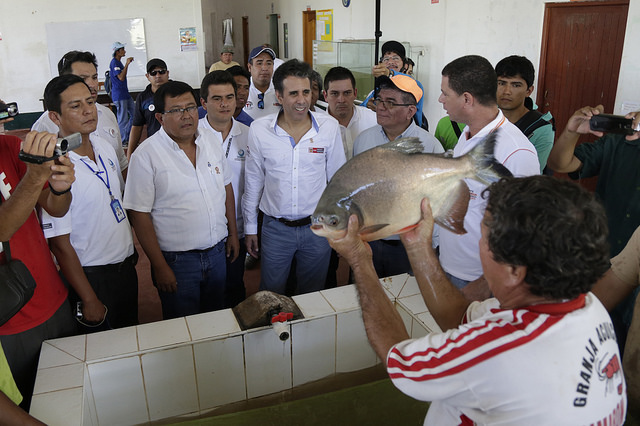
point(580, 58)
point(308, 34)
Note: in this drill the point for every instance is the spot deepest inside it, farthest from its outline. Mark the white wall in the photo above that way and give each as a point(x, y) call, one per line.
point(24, 69)
point(452, 28)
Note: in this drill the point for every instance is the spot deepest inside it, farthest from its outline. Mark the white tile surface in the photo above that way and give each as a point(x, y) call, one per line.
point(353, 351)
point(58, 408)
point(118, 391)
point(267, 361)
point(343, 298)
point(89, 414)
point(427, 319)
point(59, 378)
point(220, 372)
point(313, 305)
point(407, 319)
point(112, 342)
point(212, 324)
point(50, 356)
point(418, 329)
point(395, 283)
point(314, 349)
point(410, 287)
point(74, 346)
point(414, 304)
point(170, 382)
point(162, 333)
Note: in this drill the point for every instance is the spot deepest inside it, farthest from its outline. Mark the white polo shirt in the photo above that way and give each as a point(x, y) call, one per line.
point(362, 119)
point(271, 104)
point(235, 151)
point(286, 179)
point(107, 129)
point(459, 253)
point(95, 233)
point(186, 203)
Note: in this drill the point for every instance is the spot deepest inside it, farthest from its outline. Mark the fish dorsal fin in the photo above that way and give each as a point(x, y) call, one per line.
point(372, 229)
point(455, 210)
point(405, 145)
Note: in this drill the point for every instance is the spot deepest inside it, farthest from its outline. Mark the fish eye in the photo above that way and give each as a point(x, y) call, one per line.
point(333, 221)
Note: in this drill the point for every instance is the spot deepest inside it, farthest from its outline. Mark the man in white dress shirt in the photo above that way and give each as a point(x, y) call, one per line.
point(85, 66)
point(262, 96)
point(292, 155)
point(92, 242)
point(340, 93)
point(218, 96)
point(181, 204)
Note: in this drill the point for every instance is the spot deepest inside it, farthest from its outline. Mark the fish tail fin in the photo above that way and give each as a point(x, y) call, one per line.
point(487, 168)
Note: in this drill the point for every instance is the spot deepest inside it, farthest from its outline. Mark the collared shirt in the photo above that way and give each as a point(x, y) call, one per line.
point(459, 253)
point(616, 162)
point(187, 204)
point(145, 112)
point(119, 89)
point(375, 136)
point(244, 118)
point(271, 104)
point(286, 179)
point(362, 119)
point(107, 129)
point(95, 234)
point(234, 148)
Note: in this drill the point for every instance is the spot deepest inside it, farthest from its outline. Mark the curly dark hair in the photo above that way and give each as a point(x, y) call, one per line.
point(554, 228)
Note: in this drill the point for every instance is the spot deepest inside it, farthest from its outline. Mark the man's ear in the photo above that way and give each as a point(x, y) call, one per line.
point(530, 90)
point(517, 274)
point(279, 97)
point(412, 111)
point(55, 117)
point(203, 103)
point(469, 100)
point(159, 117)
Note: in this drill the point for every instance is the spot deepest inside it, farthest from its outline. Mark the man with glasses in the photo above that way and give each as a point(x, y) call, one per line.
point(145, 110)
point(218, 97)
point(181, 204)
point(262, 96)
point(395, 108)
point(85, 66)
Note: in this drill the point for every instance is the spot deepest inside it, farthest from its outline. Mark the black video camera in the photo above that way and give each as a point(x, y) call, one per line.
point(63, 145)
point(612, 124)
point(8, 110)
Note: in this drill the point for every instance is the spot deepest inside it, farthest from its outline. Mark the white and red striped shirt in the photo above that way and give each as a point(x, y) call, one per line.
point(544, 364)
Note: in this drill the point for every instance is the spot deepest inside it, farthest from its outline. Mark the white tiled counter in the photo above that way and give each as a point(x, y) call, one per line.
point(189, 366)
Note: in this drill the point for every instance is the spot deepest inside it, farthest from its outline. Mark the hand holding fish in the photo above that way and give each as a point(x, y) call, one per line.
point(420, 237)
point(351, 247)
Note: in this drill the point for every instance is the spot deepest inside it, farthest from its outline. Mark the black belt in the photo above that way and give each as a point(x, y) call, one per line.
point(131, 260)
point(295, 223)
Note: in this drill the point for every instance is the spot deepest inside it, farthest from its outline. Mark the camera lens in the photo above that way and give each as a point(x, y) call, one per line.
point(63, 145)
point(12, 109)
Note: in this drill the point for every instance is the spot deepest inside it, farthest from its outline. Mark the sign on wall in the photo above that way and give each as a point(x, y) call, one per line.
point(324, 29)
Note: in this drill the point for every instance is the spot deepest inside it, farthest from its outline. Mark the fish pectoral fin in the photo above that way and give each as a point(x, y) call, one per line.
point(455, 210)
point(407, 229)
point(405, 145)
point(372, 229)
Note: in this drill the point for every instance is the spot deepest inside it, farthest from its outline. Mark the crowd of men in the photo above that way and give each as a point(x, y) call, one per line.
point(239, 171)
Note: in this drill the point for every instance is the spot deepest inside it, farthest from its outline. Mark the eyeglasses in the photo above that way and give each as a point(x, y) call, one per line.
point(156, 72)
point(388, 104)
point(391, 58)
point(180, 111)
point(261, 100)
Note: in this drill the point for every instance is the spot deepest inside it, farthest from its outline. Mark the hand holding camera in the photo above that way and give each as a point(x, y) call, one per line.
point(41, 149)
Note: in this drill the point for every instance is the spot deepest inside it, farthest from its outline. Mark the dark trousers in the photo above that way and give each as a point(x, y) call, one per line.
point(116, 286)
point(23, 349)
point(234, 291)
point(390, 258)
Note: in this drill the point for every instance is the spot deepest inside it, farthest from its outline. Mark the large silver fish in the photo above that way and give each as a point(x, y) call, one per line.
point(385, 185)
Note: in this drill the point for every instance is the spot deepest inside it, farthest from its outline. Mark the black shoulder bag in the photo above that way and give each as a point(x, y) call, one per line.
point(16, 285)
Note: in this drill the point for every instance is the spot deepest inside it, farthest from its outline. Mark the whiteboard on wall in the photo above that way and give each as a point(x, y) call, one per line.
point(98, 37)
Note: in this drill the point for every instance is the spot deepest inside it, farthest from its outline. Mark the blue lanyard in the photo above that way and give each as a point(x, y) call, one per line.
point(97, 174)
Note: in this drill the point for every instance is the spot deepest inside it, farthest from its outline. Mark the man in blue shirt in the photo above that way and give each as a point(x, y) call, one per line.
point(120, 92)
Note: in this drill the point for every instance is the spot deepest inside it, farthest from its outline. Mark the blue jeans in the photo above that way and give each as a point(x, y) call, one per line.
point(201, 277)
point(458, 282)
point(280, 244)
point(125, 109)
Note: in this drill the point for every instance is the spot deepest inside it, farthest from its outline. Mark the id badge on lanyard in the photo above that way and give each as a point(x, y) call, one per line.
point(116, 207)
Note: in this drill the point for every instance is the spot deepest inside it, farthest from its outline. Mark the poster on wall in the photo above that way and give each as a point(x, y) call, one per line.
point(324, 29)
point(188, 40)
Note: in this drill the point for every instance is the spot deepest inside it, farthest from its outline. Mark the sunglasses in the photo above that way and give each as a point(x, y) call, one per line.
point(261, 100)
point(156, 72)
